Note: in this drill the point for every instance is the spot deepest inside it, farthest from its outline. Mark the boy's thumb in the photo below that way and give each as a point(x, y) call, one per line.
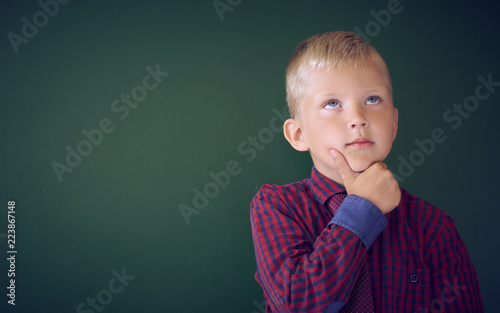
point(345, 171)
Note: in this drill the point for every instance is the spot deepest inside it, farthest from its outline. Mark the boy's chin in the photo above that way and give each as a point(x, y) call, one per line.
point(360, 166)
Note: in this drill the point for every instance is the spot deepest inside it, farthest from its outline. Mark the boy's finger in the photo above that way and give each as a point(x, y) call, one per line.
point(345, 171)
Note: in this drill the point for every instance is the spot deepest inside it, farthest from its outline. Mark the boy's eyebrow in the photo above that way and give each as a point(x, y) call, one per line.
point(336, 94)
point(325, 95)
point(378, 89)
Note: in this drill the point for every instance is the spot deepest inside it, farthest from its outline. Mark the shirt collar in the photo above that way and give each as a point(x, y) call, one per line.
point(323, 187)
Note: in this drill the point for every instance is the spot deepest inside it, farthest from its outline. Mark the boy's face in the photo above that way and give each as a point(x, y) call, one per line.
point(349, 110)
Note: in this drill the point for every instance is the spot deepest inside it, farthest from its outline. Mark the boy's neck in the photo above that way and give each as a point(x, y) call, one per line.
point(331, 174)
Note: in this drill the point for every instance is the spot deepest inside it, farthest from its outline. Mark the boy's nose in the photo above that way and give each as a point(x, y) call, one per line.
point(357, 123)
point(357, 119)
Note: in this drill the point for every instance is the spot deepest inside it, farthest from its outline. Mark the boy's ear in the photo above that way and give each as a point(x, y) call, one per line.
point(294, 134)
point(395, 126)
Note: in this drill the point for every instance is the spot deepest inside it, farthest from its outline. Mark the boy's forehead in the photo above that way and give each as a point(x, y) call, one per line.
point(334, 79)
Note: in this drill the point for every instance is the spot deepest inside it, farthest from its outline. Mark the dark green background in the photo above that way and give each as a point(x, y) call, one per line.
point(119, 207)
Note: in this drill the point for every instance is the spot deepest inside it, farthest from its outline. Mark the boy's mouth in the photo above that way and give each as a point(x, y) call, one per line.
point(361, 142)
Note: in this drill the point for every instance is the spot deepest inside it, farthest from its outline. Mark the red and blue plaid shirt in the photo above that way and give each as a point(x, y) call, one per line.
point(307, 259)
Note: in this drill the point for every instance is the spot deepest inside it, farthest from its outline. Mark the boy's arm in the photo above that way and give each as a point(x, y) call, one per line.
point(298, 275)
point(455, 287)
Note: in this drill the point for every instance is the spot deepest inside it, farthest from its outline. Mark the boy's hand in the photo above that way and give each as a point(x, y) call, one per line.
point(376, 183)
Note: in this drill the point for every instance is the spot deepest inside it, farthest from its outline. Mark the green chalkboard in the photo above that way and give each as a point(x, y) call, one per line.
point(118, 116)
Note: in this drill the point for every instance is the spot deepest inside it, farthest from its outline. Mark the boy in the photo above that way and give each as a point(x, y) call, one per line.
point(348, 239)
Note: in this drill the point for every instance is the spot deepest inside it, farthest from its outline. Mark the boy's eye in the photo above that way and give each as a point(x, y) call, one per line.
point(332, 104)
point(372, 100)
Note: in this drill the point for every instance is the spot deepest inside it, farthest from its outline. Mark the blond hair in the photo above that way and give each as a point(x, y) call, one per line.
point(333, 50)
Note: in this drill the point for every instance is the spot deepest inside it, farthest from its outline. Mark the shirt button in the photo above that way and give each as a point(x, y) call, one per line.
point(414, 278)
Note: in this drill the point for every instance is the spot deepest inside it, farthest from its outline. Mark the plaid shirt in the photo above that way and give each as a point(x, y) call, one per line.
point(308, 260)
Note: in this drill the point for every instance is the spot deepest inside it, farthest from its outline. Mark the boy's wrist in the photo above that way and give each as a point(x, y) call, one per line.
point(362, 217)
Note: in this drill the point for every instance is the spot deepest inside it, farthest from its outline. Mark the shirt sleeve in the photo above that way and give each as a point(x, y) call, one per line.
point(455, 287)
point(298, 275)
